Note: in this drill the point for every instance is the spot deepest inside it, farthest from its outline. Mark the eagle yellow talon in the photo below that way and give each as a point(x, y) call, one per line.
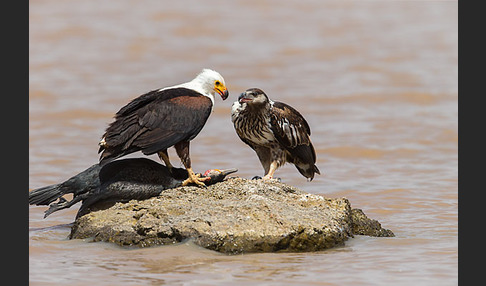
point(194, 179)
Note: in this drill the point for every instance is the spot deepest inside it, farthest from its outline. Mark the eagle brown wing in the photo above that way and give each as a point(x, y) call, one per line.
point(293, 133)
point(156, 121)
point(289, 126)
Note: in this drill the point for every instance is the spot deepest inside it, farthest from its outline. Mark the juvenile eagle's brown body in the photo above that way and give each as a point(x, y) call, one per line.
point(276, 131)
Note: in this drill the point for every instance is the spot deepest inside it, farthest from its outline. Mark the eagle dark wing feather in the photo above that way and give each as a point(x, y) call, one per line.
point(289, 126)
point(156, 121)
point(140, 101)
point(293, 133)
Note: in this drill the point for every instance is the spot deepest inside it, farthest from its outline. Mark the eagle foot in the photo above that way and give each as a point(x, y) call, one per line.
point(195, 179)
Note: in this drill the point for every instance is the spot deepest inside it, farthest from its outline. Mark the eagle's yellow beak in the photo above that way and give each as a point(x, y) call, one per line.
point(221, 89)
point(223, 92)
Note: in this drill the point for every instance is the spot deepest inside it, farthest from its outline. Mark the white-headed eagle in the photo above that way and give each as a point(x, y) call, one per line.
point(163, 118)
point(276, 131)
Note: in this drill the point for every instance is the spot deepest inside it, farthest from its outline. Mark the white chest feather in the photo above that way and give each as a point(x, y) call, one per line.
point(253, 127)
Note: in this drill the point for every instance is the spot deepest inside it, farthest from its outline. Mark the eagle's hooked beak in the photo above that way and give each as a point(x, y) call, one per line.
point(244, 97)
point(223, 92)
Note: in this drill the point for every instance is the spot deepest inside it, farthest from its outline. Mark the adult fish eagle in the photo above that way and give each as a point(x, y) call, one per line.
point(276, 131)
point(163, 118)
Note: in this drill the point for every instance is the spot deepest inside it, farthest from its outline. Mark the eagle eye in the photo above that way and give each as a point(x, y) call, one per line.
point(217, 82)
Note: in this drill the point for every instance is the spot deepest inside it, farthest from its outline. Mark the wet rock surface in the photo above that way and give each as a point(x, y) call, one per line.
point(233, 216)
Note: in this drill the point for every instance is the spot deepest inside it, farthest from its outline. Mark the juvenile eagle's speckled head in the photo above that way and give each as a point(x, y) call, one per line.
point(253, 96)
point(210, 82)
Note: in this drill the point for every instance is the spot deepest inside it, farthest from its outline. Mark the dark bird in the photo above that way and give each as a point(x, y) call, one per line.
point(163, 118)
point(118, 181)
point(84, 182)
point(276, 131)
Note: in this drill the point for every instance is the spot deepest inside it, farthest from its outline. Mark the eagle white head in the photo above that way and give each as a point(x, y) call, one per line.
point(209, 83)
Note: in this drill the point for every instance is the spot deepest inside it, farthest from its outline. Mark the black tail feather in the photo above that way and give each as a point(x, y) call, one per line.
point(77, 185)
point(45, 195)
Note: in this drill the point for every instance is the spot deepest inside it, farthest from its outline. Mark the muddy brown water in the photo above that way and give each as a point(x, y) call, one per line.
point(377, 82)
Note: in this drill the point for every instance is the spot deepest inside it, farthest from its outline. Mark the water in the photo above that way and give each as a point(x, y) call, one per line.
point(377, 82)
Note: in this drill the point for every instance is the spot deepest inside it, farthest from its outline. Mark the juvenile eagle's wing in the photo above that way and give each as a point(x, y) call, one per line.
point(289, 126)
point(293, 133)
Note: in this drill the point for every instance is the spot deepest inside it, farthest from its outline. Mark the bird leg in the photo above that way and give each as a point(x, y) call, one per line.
point(182, 149)
point(271, 171)
point(164, 156)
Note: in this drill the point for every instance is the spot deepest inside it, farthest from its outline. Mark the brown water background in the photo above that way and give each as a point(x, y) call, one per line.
point(376, 80)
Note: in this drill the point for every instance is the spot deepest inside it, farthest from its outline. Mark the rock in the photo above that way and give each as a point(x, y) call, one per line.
point(233, 216)
point(363, 225)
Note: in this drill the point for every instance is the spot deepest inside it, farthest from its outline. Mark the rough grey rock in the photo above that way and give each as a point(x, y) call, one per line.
point(234, 216)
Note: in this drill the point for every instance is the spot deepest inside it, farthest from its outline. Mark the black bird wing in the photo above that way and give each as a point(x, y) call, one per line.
point(156, 121)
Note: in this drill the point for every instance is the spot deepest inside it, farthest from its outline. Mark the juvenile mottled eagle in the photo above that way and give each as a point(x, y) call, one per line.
point(277, 132)
point(163, 118)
